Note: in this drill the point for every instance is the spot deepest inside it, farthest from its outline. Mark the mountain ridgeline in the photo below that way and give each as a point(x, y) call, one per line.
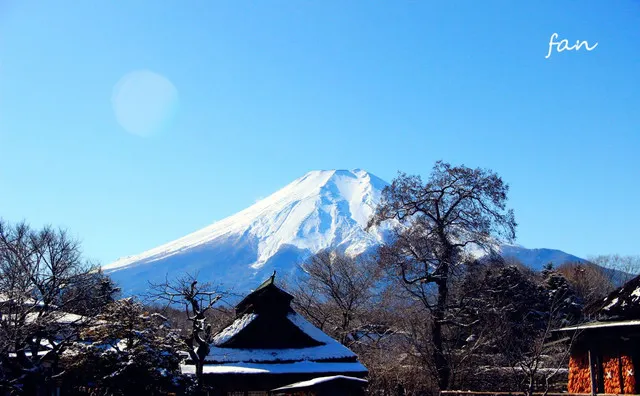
point(321, 210)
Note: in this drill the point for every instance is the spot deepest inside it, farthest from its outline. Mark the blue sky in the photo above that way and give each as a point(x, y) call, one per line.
point(268, 90)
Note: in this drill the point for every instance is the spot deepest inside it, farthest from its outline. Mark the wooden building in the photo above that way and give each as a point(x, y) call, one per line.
point(605, 353)
point(270, 346)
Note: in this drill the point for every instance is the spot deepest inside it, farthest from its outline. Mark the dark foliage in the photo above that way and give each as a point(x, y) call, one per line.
point(44, 284)
point(128, 351)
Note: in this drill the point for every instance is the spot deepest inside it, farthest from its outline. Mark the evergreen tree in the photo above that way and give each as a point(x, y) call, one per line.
point(127, 352)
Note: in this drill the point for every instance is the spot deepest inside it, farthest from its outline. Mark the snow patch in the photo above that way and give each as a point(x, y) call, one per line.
point(636, 293)
point(611, 304)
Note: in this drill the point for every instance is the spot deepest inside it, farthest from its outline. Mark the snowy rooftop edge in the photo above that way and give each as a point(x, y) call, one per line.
point(597, 325)
point(277, 368)
point(331, 349)
point(319, 380)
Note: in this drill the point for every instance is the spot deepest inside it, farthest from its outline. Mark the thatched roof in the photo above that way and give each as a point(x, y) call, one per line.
point(266, 298)
point(268, 336)
point(621, 304)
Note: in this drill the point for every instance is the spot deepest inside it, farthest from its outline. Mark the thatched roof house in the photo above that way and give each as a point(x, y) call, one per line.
point(606, 352)
point(270, 346)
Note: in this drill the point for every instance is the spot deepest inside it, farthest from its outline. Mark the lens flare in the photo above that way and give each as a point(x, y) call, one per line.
point(145, 103)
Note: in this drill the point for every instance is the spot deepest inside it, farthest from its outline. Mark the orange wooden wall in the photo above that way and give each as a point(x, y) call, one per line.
point(615, 368)
point(579, 376)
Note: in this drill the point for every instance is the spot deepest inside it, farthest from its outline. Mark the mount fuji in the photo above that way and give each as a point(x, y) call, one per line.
point(320, 210)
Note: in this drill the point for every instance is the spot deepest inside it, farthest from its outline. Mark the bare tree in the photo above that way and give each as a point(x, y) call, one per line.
point(346, 297)
point(457, 208)
point(43, 282)
point(590, 281)
point(542, 359)
point(621, 268)
point(197, 300)
point(337, 291)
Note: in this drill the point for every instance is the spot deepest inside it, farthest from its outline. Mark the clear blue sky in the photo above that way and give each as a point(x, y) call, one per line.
point(268, 90)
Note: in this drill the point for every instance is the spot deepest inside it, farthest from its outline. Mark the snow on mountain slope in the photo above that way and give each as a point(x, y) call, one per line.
point(319, 210)
point(537, 258)
point(322, 209)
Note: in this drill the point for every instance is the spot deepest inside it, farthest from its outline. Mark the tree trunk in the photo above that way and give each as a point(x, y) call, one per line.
point(439, 358)
point(199, 376)
point(531, 386)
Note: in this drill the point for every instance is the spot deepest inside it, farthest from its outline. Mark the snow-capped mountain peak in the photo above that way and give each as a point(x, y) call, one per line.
point(321, 209)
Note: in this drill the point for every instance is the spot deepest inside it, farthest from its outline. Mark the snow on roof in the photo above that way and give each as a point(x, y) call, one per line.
point(310, 329)
point(230, 331)
point(611, 304)
point(277, 368)
point(320, 380)
point(322, 352)
point(598, 325)
point(19, 297)
point(29, 354)
point(45, 347)
point(68, 318)
point(622, 303)
point(331, 349)
point(59, 317)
